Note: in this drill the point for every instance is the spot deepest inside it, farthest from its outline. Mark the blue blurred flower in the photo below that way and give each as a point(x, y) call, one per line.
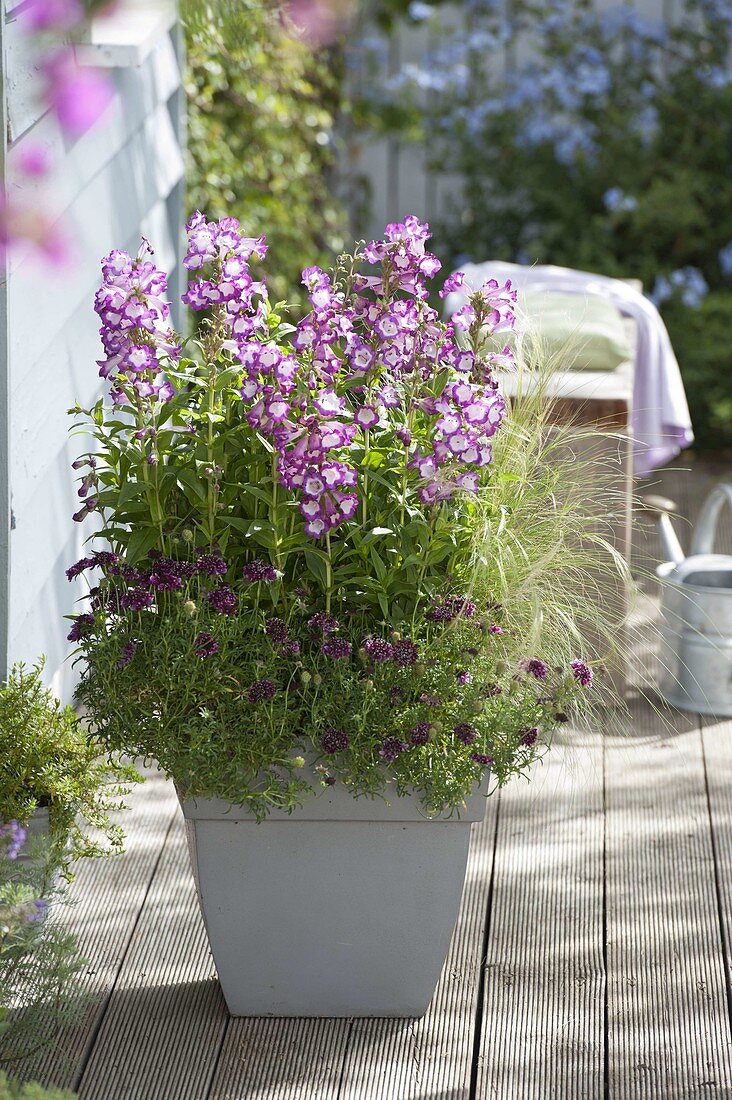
point(616, 201)
point(725, 260)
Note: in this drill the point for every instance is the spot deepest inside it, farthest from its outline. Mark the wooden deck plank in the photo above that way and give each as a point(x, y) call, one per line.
point(543, 1009)
point(166, 1018)
point(104, 903)
point(668, 1030)
point(431, 1057)
point(281, 1059)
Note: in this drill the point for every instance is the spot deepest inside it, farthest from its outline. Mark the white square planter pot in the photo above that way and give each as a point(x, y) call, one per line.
point(343, 908)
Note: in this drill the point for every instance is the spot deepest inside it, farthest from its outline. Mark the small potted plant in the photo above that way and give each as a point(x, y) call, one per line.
point(333, 601)
point(53, 781)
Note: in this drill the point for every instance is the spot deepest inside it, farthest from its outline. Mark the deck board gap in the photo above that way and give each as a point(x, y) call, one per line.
point(606, 993)
point(344, 1063)
point(480, 998)
point(217, 1059)
point(717, 883)
point(99, 1023)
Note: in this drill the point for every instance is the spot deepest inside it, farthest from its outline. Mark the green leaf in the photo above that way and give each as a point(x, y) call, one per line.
point(140, 542)
point(191, 484)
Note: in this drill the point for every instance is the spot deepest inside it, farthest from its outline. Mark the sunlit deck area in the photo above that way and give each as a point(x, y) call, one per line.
point(591, 958)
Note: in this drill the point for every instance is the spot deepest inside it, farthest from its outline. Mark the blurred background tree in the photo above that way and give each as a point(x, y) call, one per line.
point(263, 110)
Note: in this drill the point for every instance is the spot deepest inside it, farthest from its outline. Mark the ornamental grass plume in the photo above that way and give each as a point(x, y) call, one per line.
point(347, 545)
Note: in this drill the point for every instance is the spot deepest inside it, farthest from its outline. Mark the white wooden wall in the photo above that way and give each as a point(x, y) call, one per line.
point(123, 178)
point(396, 177)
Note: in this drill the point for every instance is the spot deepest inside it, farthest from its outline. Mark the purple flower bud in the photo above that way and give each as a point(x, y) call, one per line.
point(465, 733)
point(582, 672)
point(262, 691)
point(333, 741)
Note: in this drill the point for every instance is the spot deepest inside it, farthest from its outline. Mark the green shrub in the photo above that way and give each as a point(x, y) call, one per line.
point(47, 759)
point(261, 122)
point(15, 1090)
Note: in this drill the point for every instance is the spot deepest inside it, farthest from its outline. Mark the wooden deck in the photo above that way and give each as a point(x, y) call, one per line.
point(591, 959)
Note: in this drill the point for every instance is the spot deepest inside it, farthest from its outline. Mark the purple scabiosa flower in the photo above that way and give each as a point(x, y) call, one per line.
point(138, 599)
point(560, 716)
point(12, 836)
point(262, 691)
point(38, 910)
point(397, 696)
point(494, 628)
point(205, 645)
point(529, 737)
point(537, 668)
point(391, 749)
point(420, 734)
point(277, 632)
point(377, 649)
point(482, 759)
point(289, 648)
point(127, 654)
point(223, 599)
point(323, 622)
point(582, 672)
point(81, 627)
point(405, 652)
point(211, 565)
point(337, 648)
point(465, 733)
point(462, 676)
point(79, 567)
point(256, 571)
point(333, 741)
point(430, 700)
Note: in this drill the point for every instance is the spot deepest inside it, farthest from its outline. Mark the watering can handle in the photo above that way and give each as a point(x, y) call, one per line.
point(706, 525)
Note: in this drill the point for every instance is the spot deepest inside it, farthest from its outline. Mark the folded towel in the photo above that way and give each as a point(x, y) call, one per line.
point(660, 419)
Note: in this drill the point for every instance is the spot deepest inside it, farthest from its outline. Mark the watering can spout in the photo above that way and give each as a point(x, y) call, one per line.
point(661, 508)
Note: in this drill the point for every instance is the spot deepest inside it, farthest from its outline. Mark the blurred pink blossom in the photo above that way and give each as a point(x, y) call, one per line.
point(320, 21)
point(42, 15)
point(78, 95)
point(19, 224)
point(34, 160)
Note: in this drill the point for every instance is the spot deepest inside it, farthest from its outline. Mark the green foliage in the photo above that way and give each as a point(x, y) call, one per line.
point(604, 146)
point(39, 960)
point(31, 1090)
point(47, 759)
point(261, 133)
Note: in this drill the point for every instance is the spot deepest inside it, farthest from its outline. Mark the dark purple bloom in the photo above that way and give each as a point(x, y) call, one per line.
point(127, 654)
point(582, 672)
point(396, 696)
point(465, 733)
point(138, 599)
point(494, 628)
point(463, 676)
point(324, 622)
point(377, 649)
point(391, 748)
point(329, 780)
point(205, 645)
point(262, 691)
point(277, 632)
point(334, 740)
point(560, 716)
point(537, 668)
point(79, 567)
point(405, 652)
point(223, 599)
point(420, 735)
point(529, 736)
point(256, 571)
point(289, 648)
point(211, 565)
point(337, 648)
point(81, 626)
point(481, 758)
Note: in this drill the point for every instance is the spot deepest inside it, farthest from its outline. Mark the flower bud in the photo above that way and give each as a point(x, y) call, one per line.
point(369, 685)
point(396, 635)
point(476, 707)
point(437, 727)
point(419, 669)
point(190, 608)
point(305, 676)
point(317, 679)
point(501, 667)
point(297, 761)
point(186, 534)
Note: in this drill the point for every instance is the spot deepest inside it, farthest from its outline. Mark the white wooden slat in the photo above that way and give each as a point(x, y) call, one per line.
point(542, 1033)
point(669, 1032)
point(137, 94)
point(166, 1018)
point(104, 213)
point(127, 34)
point(44, 484)
point(432, 1057)
point(104, 903)
point(23, 76)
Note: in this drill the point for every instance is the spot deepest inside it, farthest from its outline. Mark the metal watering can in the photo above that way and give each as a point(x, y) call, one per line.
point(696, 607)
